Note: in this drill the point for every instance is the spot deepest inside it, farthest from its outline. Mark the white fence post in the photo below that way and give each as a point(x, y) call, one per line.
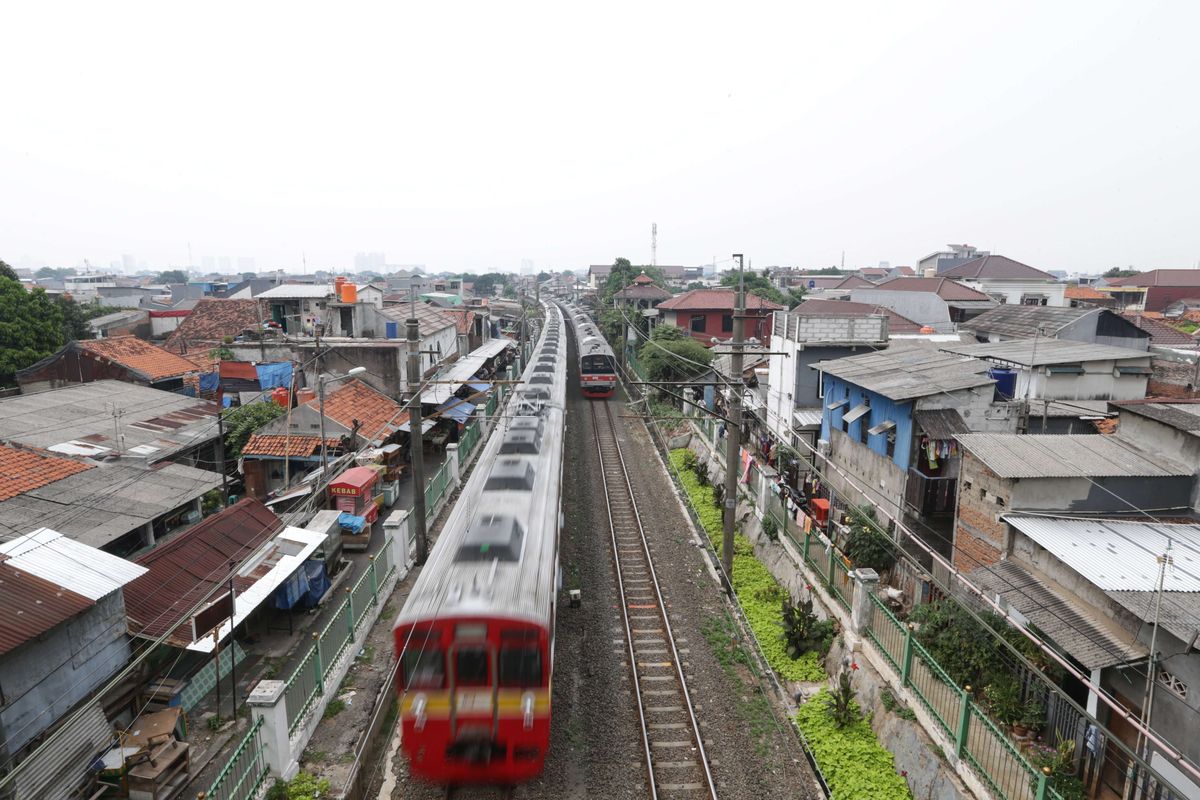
point(452, 462)
point(268, 702)
point(403, 547)
point(866, 581)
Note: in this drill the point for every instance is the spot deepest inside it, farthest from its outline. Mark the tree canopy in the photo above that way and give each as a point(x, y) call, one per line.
point(55, 272)
point(172, 276)
point(8, 272)
point(761, 286)
point(622, 274)
point(31, 328)
point(1117, 272)
point(243, 421)
point(485, 284)
point(672, 355)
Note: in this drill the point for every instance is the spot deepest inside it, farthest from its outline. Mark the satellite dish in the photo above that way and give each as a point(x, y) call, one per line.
point(812, 284)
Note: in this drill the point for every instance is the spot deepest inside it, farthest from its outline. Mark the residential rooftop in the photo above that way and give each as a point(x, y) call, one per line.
point(1011, 455)
point(909, 372)
point(1040, 352)
point(998, 268)
point(79, 420)
point(211, 321)
point(943, 287)
point(1022, 322)
point(897, 323)
point(1182, 416)
point(1159, 277)
point(715, 299)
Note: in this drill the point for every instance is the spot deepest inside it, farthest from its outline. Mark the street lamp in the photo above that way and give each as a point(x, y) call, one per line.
point(323, 379)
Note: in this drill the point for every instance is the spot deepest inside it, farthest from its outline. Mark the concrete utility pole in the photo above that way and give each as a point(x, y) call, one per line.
point(733, 444)
point(416, 437)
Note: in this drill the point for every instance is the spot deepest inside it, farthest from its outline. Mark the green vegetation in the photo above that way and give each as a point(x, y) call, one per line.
point(172, 276)
point(1059, 764)
point(968, 651)
point(672, 355)
point(853, 762)
point(803, 632)
point(243, 421)
point(336, 706)
point(761, 286)
point(1117, 272)
point(894, 705)
point(755, 709)
point(31, 328)
point(304, 786)
point(757, 590)
point(866, 546)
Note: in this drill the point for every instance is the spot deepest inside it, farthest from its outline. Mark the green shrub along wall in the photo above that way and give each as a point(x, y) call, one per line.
point(851, 759)
point(758, 592)
point(853, 762)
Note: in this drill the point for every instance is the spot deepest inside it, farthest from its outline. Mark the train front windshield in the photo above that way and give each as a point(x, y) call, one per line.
point(593, 365)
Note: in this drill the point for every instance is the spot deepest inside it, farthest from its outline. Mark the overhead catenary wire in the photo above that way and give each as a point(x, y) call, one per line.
point(1115, 707)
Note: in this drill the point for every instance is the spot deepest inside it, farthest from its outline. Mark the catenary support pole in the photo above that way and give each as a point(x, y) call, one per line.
point(416, 437)
point(733, 457)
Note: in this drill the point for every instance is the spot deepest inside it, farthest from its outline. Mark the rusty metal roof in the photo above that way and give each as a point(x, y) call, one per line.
point(32, 606)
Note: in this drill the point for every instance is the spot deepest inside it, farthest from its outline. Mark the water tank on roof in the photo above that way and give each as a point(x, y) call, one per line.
point(1006, 382)
point(349, 293)
point(281, 396)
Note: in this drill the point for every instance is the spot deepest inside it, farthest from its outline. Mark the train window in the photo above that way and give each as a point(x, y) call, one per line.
point(520, 665)
point(492, 537)
point(527, 423)
point(423, 669)
point(510, 474)
point(544, 368)
point(471, 666)
point(519, 442)
point(541, 379)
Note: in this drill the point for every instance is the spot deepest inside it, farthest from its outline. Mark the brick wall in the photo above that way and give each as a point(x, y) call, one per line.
point(1170, 378)
point(979, 536)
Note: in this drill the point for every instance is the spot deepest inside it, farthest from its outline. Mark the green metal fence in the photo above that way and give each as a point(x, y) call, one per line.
point(307, 681)
point(467, 441)
point(245, 771)
point(435, 490)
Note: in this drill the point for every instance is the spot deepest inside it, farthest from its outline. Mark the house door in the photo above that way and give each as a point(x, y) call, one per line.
point(1112, 778)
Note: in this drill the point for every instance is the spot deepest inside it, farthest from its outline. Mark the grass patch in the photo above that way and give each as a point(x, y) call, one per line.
point(757, 590)
point(853, 762)
point(336, 706)
point(721, 635)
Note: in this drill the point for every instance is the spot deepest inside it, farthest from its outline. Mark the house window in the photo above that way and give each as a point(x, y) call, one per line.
point(863, 436)
point(820, 385)
point(726, 323)
point(1176, 686)
point(698, 323)
point(891, 443)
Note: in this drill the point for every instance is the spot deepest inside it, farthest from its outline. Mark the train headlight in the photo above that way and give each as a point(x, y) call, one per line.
point(527, 709)
point(419, 704)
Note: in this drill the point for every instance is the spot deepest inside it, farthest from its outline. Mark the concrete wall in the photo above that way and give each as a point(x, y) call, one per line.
point(925, 308)
point(44, 678)
point(1156, 437)
point(1013, 290)
point(878, 474)
point(1096, 383)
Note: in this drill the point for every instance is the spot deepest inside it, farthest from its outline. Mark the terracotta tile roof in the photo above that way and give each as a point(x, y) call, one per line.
point(1084, 293)
point(33, 606)
point(942, 287)
point(1159, 277)
point(463, 318)
point(22, 470)
point(141, 356)
point(636, 291)
point(378, 414)
point(1161, 333)
point(211, 321)
point(281, 446)
point(183, 569)
point(715, 299)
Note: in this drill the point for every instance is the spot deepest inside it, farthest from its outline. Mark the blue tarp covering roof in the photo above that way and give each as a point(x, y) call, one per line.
point(480, 387)
point(278, 373)
point(351, 522)
point(458, 410)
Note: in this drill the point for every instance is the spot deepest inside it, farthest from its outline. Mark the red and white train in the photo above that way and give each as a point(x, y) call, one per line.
point(597, 366)
point(475, 638)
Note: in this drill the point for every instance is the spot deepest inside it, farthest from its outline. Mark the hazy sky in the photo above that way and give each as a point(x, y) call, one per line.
point(472, 135)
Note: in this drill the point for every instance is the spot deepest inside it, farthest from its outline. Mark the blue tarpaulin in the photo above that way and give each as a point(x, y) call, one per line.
point(305, 587)
point(480, 387)
point(274, 374)
point(210, 381)
point(458, 410)
point(351, 522)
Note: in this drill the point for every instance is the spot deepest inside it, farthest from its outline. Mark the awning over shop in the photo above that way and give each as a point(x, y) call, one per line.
point(462, 371)
point(280, 557)
point(458, 410)
point(425, 426)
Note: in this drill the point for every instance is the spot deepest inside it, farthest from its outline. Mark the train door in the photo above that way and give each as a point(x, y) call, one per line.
point(474, 717)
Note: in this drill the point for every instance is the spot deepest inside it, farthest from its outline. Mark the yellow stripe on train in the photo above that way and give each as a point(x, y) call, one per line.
point(471, 701)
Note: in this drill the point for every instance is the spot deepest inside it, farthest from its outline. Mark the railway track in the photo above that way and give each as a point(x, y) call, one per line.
point(676, 763)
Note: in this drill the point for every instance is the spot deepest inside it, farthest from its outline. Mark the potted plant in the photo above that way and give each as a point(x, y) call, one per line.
point(1032, 717)
point(1003, 697)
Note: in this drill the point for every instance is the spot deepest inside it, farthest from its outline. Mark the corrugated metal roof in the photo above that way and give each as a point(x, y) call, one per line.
point(806, 417)
point(941, 423)
point(32, 605)
point(70, 564)
point(1012, 455)
point(289, 291)
point(1116, 555)
point(909, 372)
point(1180, 416)
point(1039, 352)
point(59, 768)
point(1089, 638)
